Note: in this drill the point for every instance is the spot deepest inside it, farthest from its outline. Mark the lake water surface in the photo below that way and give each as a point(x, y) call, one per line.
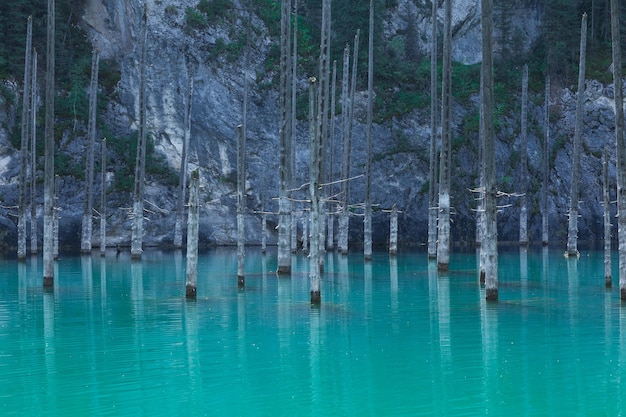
point(392, 337)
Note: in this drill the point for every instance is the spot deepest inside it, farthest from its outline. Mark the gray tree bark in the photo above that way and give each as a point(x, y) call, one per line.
point(191, 279)
point(342, 235)
point(33, 157)
point(241, 189)
point(367, 226)
point(136, 247)
point(103, 198)
point(330, 235)
point(48, 210)
point(620, 145)
point(443, 235)
point(87, 231)
point(292, 157)
point(182, 181)
point(26, 110)
point(314, 174)
point(572, 229)
point(546, 149)
point(432, 171)
point(284, 171)
point(393, 231)
point(490, 239)
point(608, 275)
point(523, 216)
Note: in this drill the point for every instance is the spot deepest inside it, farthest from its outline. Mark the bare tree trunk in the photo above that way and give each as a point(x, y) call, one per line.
point(342, 235)
point(86, 235)
point(572, 230)
point(48, 210)
point(26, 103)
point(192, 237)
point(285, 174)
point(182, 181)
point(55, 217)
point(330, 236)
point(490, 239)
point(432, 172)
point(314, 254)
point(367, 229)
point(136, 248)
point(33, 157)
point(523, 215)
point(393, 231)
point(292, 157)
point(608, 275)
point(305, 231)
point(103, 198)
point(443, 236)
point(263, 219)
point(620, 145)
point(241, 189)
point(546, 149)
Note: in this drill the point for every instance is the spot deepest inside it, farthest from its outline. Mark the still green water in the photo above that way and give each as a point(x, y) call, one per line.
point(392, 337)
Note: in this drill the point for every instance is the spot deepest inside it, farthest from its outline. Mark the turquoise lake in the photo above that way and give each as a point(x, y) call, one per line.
point(392, 337)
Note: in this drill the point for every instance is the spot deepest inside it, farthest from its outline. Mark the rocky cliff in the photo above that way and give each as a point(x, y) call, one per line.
point(178, 54)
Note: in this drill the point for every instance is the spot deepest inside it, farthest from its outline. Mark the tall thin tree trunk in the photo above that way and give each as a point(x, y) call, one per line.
point(608, 275)
point(314, 253)
point(490, 239)
point(393, 231)
point(292, 157)
point(264, 218)
point(48, 210)
point(523, 215)
point(241, 189)
point(367, 226)
point(192, 237)
point(443, 236)
point(182, 181)
point(342, 235)
point(26, 104)
point(546, 149)
point(136, 248)
point(330, 236)
point(620, 145)
point(33, 157)
point(103, 198)
point(284, 171)
point(572, 230)
point(432, 171)
point(86, 235)
point(56, 213)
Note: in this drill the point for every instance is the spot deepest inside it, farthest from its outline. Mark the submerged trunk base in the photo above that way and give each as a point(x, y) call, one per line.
point(48, 282)
point(481, 278)
point(572, 253)
point(316, 297)
point(190, 292)
point(283, 270)
point(622, 292)
point(241, 281)
point(491, 294)
point(443, 266)
point(608, 282)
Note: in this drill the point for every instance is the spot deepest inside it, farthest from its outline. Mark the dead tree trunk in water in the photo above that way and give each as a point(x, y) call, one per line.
point(546, 148)
point(432, 173)
point(103, 198)
point(393, 231)
point(608, 275)
point(192, 237)
point(136, 248)
point(443, 236)
point(367, 226)
point(87, 231)
point(523, 215)
point(26, 103)
point(620, 146)
point(33, 157)
point(490, 238)
point(182, 180)
point(330, 235)
point(241, 189)
point(48, 198)
point(292, 147)
point(314, 174)
point(572, 230)
point(284, 171)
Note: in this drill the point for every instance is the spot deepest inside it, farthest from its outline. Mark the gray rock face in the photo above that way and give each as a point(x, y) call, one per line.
point(400, 160)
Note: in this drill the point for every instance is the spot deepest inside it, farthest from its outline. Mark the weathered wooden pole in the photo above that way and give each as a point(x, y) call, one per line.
point(136, 244)
point(342, 223)
point(432, 165)
point(620, 145)
point(367, 222)
point(26, 104)
point(33, 157)
point(55, 217)
point(293, 131)
point(443, 235)
point(490, 239)
point(546, 165)
point(330, 235)
point(103, 198)
point(393, 231)
point(284, 171)
point(86, 230)
point(608, 275)
point(192, 237)
point(572, 229)
point(523, 215)
point(314, 172)
point(241, 186)
point(48, 199)
point(182, 180)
